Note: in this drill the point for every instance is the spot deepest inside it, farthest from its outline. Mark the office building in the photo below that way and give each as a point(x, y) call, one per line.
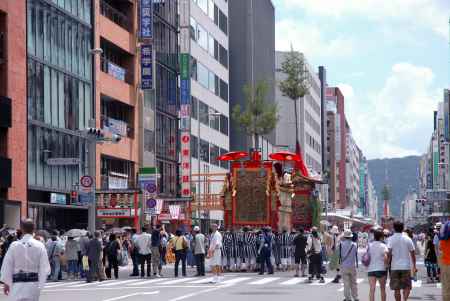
point(322, 74)
point(352, 172)
point(60, 107)
point(309, 119)
point(13, 113)
point(337, 133)
point(210, 105)
point(252, 59)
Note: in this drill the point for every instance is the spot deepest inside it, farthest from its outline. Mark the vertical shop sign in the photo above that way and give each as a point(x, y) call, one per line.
point(146, 67)
point(146, 19)
point(185, 164)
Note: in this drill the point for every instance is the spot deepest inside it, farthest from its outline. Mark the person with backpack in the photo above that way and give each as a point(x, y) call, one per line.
point(348, 258)
point(445, 260)
point(314, 251)
point(112, 254)
point(180, 246)
point(430, 258)
point(375, 260)
point(156, 249)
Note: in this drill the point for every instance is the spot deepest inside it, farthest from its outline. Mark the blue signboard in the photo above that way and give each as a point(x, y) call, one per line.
point(146, 20)
point(185, 95)
point(146, 67)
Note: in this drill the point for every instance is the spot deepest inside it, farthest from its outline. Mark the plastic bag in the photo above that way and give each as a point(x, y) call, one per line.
point(85, 262)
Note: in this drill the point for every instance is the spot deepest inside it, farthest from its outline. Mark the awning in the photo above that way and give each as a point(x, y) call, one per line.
point(48, 205)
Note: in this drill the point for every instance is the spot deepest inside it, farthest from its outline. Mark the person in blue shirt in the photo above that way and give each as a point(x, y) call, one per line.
point(266, 240)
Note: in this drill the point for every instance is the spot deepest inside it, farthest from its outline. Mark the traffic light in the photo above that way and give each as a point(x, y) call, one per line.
point(74, 197)
point(97, 133)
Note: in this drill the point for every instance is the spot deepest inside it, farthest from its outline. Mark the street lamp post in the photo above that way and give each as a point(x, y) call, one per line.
point(214, 114)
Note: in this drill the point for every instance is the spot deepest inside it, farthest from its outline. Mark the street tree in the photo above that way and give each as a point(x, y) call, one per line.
point(259, 117)
point(297, 82)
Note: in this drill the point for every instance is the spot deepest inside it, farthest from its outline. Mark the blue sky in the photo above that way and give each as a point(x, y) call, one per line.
point(389, 57)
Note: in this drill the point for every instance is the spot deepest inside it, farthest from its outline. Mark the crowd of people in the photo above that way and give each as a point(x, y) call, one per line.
point(311, 254)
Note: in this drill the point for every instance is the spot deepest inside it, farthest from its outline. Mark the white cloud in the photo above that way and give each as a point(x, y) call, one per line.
point(397, 120)
point(308, 39)
point(420, 13)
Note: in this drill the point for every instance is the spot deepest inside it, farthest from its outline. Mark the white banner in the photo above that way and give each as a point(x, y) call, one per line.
point(174, 211)
point(159, 205)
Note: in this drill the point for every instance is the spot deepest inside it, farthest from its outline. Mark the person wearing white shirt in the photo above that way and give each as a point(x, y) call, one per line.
point(215, 252)
point(144, 245)
point(25, 267)
point(377, 269)
point(403, 259)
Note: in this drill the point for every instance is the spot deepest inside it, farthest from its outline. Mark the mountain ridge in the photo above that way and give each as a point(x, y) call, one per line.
point(402, 178)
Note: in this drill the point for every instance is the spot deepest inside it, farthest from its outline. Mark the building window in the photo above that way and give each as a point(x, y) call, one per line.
point(203, 113)
point(224, 124)
point(223, 22)
point(194, 108)
point(194, 146)
point(204, 150)
point(214, 153)
point(223, 164)
point(203, 75)
point(224, 90)
point(202, 37)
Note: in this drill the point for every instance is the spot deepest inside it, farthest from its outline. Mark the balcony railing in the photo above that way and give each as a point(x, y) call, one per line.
point(118, 127)
point(115, 70)
point(116, 183)
point(115, 15)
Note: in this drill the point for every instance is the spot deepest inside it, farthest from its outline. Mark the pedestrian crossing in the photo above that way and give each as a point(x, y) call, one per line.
point(227, 280)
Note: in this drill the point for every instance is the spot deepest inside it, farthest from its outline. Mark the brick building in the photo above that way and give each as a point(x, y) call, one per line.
point(13, 113)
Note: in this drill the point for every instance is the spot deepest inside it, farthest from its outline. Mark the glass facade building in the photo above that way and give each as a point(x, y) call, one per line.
point(60, 106)
point(166, 102)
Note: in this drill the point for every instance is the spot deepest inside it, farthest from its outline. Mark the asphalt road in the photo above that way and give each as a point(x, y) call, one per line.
point(233, 287)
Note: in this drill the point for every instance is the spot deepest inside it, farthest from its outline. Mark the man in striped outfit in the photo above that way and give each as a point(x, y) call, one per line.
point(247, 243)
point(285, 248)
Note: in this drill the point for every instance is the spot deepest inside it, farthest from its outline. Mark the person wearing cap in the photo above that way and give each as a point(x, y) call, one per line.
point(198, 246)
point(348, 257)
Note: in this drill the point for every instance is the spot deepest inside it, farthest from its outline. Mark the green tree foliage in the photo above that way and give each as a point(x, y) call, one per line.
point(297, 82)
point(259, 117)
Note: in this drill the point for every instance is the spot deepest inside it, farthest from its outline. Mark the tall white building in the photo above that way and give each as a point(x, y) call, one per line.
point(352, 172)
point(309, 118)
point(209, 89)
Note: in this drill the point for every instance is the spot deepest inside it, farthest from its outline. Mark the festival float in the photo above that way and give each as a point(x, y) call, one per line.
point(278, 192)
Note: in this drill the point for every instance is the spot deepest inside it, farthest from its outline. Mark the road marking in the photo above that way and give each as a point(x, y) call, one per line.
point(264, 281)
point(112, 283)
point(50, 285)
point(327, 281)
point(235, 280)
point(132, 295)
point(86, 284)
point(145, 282)
point(197, 293)
point(341, 289)
point(293, 281)
point(204, 280)
point(176, 281)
